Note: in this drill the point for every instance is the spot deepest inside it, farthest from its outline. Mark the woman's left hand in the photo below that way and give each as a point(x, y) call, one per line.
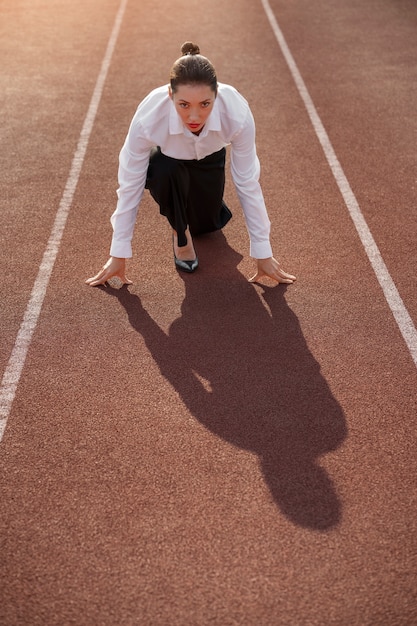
point(271, 267)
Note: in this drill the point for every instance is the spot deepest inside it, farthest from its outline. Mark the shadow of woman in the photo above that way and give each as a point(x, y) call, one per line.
point(243, 369)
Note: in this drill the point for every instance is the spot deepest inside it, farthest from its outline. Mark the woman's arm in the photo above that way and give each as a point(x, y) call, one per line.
point(133, 167)
point(245, 170)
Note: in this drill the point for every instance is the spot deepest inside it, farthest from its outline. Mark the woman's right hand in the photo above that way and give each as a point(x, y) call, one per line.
point(114, 267)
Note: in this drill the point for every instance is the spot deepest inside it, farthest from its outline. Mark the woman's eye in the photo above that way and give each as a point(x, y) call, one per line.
point(205, 105)
point(183, 105)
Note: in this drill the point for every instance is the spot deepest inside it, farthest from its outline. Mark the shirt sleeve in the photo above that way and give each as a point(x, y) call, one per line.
point(133, 167)
point(245, 170)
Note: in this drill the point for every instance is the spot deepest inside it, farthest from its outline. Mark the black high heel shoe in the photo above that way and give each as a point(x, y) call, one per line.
point(186, 266)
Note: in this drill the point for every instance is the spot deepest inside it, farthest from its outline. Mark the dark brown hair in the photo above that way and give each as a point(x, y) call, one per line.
point(192, 68)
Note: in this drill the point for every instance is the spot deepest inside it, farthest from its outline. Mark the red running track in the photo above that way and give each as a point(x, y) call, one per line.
point(196, 449)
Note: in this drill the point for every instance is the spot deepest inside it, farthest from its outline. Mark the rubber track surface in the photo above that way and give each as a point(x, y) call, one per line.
point(197, 449)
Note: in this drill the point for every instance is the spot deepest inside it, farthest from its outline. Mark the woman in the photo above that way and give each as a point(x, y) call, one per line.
point(176, 148)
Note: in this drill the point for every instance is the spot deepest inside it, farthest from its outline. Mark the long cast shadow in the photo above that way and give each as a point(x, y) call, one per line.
point(246, 373)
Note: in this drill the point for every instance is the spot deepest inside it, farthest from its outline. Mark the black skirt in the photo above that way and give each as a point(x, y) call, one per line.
point(189, 192)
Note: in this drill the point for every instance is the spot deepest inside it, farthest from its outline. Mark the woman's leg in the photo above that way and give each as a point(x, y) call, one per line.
point(168, 182)
point(206, 210)
point(190, 196)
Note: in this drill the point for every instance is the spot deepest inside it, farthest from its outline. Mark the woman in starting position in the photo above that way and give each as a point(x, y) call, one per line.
point(176, 148)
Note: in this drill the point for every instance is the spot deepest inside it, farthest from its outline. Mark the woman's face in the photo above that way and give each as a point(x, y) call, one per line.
point(194, 104)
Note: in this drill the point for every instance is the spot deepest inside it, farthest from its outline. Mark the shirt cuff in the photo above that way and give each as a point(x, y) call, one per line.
point(121, 249)
point(260, 249)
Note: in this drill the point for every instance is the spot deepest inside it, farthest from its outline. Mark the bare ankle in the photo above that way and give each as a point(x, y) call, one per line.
point(186, 252)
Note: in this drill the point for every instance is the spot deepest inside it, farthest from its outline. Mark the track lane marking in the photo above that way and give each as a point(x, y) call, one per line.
point(20, 349)
point(391, 293)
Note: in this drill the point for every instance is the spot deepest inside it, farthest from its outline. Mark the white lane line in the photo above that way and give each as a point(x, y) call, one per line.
point(17, 359)
point(392, 296)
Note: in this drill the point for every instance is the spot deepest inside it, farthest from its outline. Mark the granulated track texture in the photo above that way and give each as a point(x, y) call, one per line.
point(197, 449)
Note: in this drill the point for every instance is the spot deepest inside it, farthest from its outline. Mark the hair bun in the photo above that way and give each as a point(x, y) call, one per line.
point(189, 48)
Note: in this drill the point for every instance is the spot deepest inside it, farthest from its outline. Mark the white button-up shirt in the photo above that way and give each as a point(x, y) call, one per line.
point(157, 123)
